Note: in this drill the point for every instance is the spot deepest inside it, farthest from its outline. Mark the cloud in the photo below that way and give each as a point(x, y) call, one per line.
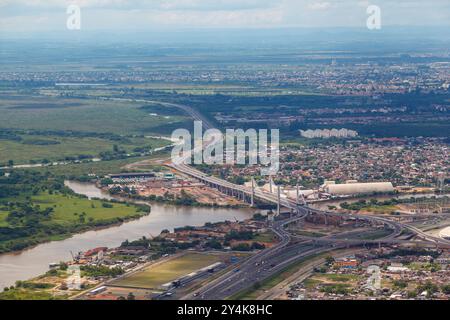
point(201, 5)
point(319, 5)
point(234, 18)
point(120, 14)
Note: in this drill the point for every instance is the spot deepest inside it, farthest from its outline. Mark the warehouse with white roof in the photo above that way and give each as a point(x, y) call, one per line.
point(357, 188)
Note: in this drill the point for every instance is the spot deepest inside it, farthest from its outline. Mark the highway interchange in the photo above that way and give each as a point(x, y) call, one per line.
point(290, 248)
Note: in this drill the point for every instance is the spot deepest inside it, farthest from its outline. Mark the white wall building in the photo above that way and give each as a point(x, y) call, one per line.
point(357, 188)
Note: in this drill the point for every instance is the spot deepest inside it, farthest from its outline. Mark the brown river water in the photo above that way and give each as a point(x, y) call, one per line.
point(35, 261)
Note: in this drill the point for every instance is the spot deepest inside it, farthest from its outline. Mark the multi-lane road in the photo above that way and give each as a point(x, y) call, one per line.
point(286, 252)
point(260, 266)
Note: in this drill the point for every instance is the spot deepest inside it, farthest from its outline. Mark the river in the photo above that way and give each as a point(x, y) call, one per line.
point(34, 261)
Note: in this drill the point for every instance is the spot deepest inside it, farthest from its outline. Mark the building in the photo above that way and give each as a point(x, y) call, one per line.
point(326, 133)
point(346, 263)
point(95, 251)
point(123, 177)
point(397, 267)
point(357, 188)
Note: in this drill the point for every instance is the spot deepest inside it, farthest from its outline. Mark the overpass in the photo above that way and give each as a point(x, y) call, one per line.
point(286, 251)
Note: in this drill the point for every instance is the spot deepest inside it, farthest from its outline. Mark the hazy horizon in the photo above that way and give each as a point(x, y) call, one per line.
point(121, 15)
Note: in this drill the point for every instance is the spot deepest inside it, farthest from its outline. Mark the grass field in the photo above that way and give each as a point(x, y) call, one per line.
point(335, 277)
point(3, 216)
point(339, 279)
point(27, 294)
point(155, 276)
point(70, 215)
point(336, 281)
point(67, 209)
point(309, 233)
point(265, 237)
point(86, 115)
point(381, 209)
point(100, 168)
point(23, 152)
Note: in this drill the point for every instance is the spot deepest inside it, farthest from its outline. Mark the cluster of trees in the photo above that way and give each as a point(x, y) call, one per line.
point(361, 204)
point(239, 235)
point(184, 199)
point(41, 142)
point(101, 271)
point(338, 288)
point(115, 154)
point(411, 252)
point(159, 245)
point(30, 182)
point(25, 214)
point(28, 223)
point(430, 288)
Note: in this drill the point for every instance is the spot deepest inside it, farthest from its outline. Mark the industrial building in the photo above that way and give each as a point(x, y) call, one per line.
point(139, 175)
point(352, 188)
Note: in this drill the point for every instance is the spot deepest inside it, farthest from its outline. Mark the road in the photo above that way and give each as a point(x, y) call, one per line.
point(301, 274)
point(285, 253)
point(187, 109)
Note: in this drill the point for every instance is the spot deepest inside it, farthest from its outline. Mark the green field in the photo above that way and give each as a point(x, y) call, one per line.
point(85, 115)
point(68, 208)
point(3, 216)
point(155, 276)
point(45, 128)
point(100, 168)
point(70, 214)
point(309, 233)
point(381, 209)
point(264, 237)
point(36, 148)
point(28, 294)
point(335, 277)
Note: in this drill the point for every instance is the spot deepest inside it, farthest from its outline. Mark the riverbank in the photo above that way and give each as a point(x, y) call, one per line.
point(225, 242)
point(57, 216)
point(34, 261)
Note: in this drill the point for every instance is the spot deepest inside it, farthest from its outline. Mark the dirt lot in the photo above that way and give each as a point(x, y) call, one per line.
point(202, 194)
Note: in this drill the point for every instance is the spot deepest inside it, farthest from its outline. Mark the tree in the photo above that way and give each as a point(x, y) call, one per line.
point(10, 163)
point(259, 217)
point(214, 244)
point(446, 288)
point(257, 246)
point(106, 181)
point(63, 266)
point(329, 260)
point(241, 247)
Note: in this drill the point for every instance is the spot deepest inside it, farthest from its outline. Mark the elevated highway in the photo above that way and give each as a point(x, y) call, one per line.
point(290, 248)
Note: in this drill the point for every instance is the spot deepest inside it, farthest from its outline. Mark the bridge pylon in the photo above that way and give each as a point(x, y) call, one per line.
point(278, 201)
point(252, 199)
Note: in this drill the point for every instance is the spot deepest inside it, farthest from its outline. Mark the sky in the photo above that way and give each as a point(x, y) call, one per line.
point(51, 15)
